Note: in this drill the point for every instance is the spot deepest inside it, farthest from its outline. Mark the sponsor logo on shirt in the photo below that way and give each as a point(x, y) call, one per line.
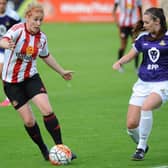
point(154, 55)
point(28, 56)
point(129, 6)
point(24, 57)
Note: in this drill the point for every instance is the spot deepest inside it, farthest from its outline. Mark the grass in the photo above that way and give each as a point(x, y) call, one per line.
point(91, 108)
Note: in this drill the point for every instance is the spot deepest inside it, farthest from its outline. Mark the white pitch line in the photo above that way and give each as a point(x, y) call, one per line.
point(165, 166)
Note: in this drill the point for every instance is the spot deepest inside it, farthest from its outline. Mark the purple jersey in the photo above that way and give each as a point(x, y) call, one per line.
point(154, 66)
point(7, 20)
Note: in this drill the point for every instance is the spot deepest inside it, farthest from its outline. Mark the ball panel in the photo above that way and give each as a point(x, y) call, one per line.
point(60, 154)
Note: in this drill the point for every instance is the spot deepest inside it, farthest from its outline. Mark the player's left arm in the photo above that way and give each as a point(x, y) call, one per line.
point(51, 61)
point(7, 43)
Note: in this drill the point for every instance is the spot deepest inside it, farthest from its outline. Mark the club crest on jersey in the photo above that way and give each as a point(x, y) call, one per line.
point(129, 6)
point(154, 54)
point(29, 50)
point(162, 43)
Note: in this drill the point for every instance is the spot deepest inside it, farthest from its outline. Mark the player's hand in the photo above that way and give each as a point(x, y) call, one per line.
point(11, 44)
point(116, 65)
point(67, 75)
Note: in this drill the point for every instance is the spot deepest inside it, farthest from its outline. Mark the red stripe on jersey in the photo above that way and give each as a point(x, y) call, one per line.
point(36, 45)
point(133, 6)
point(19, 62)
point(17, 26)
point(34, 55)
point(12, 54)
point(28, 67)
point(16, 70)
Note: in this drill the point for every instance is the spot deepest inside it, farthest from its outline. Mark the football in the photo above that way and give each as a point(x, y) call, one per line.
point(60, 155)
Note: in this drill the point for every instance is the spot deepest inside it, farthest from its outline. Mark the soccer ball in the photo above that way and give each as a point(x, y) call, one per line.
point(60, 155)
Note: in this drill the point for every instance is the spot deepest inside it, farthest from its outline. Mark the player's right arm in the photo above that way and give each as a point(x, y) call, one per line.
point(8, 40)
point(125, 59)
point(7, 43)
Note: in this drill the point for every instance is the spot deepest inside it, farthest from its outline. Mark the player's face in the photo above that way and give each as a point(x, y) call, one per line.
point(150, 24)
point(34, 21)
point(2, 6)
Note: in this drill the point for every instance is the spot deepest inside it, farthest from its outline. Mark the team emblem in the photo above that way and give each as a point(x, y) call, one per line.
point(154, 54)
point(29, 50)
point(129, 5)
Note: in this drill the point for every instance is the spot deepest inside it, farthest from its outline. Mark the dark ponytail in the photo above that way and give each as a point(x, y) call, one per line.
point(137, 29)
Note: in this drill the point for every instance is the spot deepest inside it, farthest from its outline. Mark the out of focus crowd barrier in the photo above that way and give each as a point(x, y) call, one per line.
point(82, 10)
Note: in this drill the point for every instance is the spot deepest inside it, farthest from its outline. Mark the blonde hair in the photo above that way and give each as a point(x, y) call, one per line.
point(34, 6)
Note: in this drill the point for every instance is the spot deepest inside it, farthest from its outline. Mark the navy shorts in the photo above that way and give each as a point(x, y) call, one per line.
point(21, 93)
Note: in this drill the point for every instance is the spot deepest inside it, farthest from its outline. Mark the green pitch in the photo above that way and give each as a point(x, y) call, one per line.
point(91, 108)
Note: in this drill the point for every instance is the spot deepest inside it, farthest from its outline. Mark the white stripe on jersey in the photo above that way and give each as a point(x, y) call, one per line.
point(21, 63)
point(128, 11)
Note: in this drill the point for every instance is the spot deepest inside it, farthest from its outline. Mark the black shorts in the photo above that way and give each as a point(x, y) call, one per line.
point(126, 31)
point(21, 93)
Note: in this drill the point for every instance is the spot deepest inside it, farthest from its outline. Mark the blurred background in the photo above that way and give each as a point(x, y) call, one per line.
point(79, 10)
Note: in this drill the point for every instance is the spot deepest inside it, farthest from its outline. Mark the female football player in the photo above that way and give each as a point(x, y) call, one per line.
point(151, 89)
point(24, 42)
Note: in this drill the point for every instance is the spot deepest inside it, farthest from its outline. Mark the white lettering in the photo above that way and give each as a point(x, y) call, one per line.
point(153, 66)
point(86, 8)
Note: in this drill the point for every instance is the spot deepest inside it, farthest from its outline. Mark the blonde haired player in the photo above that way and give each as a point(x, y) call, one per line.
point(23, 44)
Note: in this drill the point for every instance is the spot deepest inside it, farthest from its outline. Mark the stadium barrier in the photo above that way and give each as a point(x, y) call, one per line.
point(82, 10)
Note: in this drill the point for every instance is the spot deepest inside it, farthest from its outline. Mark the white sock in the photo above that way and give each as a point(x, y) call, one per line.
point(145, 127)
point(134, 134)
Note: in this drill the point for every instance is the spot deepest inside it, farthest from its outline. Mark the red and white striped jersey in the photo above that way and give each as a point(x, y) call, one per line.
point(128, 14)
point(20, 63)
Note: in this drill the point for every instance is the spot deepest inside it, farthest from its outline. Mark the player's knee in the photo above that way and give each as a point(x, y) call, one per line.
point(29, 122)
point(145, 107)
point(131, 124)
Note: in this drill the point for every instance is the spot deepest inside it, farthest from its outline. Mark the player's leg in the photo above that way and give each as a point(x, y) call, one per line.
point(33, 130)
point(41, 100)
point(152, 102)
point(19, 101)
point(36, 91)
point(140, 90)
point(133, 117)
point(123, 42)
point(50, 120)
